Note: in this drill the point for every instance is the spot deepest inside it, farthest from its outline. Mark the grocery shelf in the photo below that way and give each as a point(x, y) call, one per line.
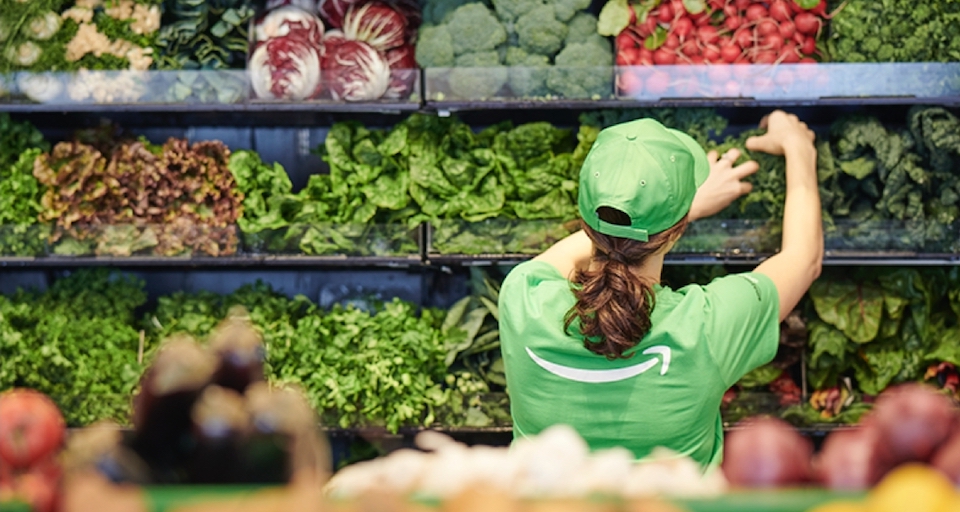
point(212, 262)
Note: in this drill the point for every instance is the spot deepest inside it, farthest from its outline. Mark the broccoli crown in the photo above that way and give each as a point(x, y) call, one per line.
point(540, 32)
point(474, 28)
point(583, 71)
point(581, 28)
point(434, 47)
point(477, 75)
point(566, 9)
point(437, 12)
point(510, 10)
point(528, 73)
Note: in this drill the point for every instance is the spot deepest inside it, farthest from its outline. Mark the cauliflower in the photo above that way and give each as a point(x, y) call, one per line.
point(540, 32)
point(567, 9)
point(477, 75)
point(23, 55)
point(434, 47)
point(474, 28)
point(78, 14)
point(87, 40)
point(510, 10)
point(527, 73)
point(581, 28)
point(146, 19)
point(583, 70)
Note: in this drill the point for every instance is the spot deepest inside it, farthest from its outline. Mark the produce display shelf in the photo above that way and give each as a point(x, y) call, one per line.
point(266, 107)
point(865, 259)
point(214, 262)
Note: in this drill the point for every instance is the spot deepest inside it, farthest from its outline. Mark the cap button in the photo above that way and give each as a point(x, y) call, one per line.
point(631, 137)
point(673, 158)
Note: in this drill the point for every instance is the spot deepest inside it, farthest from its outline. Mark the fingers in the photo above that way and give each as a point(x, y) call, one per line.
point(712, 157)
point(765, 122)
point(746, 169)
point(755, 144)
point(745, 188)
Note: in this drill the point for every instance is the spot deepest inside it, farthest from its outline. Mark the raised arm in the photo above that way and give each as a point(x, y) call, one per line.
point(799, 261)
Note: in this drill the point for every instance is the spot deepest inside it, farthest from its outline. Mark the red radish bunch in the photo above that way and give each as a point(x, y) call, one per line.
point(726, 32)
point(31, 434)
point(294, 58)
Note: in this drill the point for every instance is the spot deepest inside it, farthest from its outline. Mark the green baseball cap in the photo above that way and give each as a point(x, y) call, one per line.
point(645, 170)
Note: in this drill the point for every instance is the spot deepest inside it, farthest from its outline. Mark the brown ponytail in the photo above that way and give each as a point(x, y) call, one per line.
point(614, 303)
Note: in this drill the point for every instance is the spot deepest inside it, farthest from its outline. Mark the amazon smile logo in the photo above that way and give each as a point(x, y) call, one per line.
point(611, 375)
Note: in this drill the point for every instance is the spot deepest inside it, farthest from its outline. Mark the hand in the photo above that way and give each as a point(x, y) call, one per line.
point(723, 186)
point(783, 131)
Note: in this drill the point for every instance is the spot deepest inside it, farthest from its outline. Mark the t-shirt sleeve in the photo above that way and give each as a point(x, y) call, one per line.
point(525, 286)
point(742, 324)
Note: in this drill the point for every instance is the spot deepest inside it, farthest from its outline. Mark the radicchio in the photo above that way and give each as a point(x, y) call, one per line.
point(333, 11)
point(290, 21)
point(376, 24)
point(355, 71)
point(285, 68)
point(403, 72)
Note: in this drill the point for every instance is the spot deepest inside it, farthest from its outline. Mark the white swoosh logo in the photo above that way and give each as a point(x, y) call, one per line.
point(600, 376)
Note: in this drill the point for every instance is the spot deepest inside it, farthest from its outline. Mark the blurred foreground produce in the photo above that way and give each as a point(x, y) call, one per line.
point(555, 464)
point(911, 424)
point(187, 429)
point(31, 434)
point(912, 487)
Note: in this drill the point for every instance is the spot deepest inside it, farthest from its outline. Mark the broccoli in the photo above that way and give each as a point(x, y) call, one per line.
point(583, 70)
point(510, 10)
point(477, 75)
point(434, 47)
point(474, 28)
point(540, 32)
point(437, 12)
point(528, 73)
point(566, 9)
point(581, 28)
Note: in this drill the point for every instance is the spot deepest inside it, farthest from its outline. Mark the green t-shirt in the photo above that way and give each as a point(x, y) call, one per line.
point(703, 340)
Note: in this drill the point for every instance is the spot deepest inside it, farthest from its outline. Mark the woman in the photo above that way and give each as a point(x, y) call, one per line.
point(591, 339)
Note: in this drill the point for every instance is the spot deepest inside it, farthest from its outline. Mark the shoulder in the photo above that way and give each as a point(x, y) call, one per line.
point(531, 274)
point(748, 287)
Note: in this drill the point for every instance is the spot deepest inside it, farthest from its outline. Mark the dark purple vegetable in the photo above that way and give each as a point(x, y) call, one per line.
point(221, 425)
point(913, 421)
point(767, 452)
point(240, 353)
point(850, 460)
point(947, 458)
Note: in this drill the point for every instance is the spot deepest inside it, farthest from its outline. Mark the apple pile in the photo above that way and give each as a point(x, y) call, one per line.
point(31, 435)
point(912, 423)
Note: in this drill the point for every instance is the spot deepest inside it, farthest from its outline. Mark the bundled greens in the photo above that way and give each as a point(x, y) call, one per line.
point(20, 144)
point(76, 342)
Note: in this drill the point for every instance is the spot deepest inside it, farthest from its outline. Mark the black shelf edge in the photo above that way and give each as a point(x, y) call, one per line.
point(461, 106)
point(310, 107)
point(901, 259)
point(214, 262)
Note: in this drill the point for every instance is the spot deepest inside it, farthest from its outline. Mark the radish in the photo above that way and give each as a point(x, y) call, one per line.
point(767, 453)
point(732, 22)
point(756, 12)
point(31, 427)
point(625, 40)
point(780, 11)
point(789, 54)
point(666, 14)
point(629, 83)
point(708, 34)
point(787, 29)
point(743, 38)
point(742, 4)
point(657, 83)
point(672, 42)
point(633, 16)
point(648, 27)
point(809, 46)
point(730, 53)
point(773, 41)
point(730, 10)
point(697, 59)
point(807, 60)
point(689, 48)
point(664, 56)
point(702, 19)
point(683, 27)
point(711, 53)
point(765, 57)
point(622, 59)
point(767, 26)
point(717, 5)
point(820, 9)
point(807, 23)
point(678, 8)
point(646, 57)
